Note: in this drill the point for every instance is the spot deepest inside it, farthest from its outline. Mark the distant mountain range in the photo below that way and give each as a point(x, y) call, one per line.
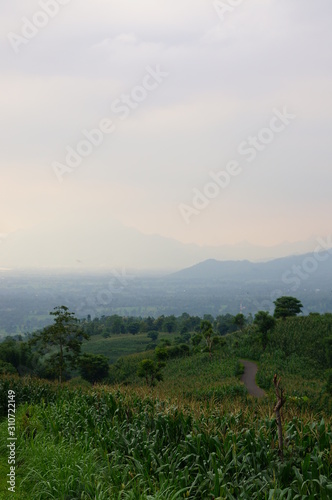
point(290, 271)
point(96, 245)
point(209, 287)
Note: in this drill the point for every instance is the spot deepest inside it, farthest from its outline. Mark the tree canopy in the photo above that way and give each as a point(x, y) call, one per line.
point(93, 367)
point(62, 341)
point(287, 307)
point(151, 371)
point(264, 322)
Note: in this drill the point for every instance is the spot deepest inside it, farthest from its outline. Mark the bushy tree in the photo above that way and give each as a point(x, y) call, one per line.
point(153, 335)
point(62, 341)
point(169, 324)
point(286, 307)
point(196, 339)
point(133, 327)
point(210, 338)
point(7, 368)
point(225, 324)
point(161, 353)
point(151, 371)
point(93, 367)
point(18, 354)
point(264, 322)
point(240, 321)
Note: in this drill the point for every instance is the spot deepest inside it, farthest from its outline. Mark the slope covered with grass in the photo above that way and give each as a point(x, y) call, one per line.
point(197, 434)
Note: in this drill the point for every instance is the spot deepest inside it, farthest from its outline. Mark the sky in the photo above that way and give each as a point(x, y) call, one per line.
point(205, 122)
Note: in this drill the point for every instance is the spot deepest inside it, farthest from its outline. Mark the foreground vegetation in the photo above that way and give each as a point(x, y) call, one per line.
point(134, 444)
point(197, 434)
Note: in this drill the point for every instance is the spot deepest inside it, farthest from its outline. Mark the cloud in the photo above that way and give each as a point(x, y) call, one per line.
point(224, 80)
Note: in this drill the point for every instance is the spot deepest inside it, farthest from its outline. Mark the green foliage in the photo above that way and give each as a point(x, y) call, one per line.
point(78, 382)
point(329, 382)
point(225, 324)
point(115, 347)
point(264, 323)
point(18, 354)
point(151, 371)
point(196, 339)
point(178, 351)
point(93, 367)
point(208, 334)
point(328, 346)
point(304, 336)
point(7, 368)
point(161, 353)
point(27, 390)
point(286, 307)
point(134, 327)
point(118, 444)
point(184, 325)
point(62, 340)
point(298, 351)
point(197, 434)
point(153, 335)
point(239, 321)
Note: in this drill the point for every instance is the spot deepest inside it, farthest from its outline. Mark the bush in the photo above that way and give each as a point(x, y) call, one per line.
point(93, 367)
point(178, 351)
point(7, 368)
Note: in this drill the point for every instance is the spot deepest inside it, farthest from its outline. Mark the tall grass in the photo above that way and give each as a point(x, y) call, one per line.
point(197, 435)
point(131, 444)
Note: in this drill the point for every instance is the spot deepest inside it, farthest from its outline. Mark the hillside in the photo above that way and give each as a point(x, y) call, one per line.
point(298, 349)
point(286, 268)
point(197, 434)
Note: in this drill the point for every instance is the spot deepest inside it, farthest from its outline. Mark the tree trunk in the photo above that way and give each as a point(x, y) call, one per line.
point(279, 404)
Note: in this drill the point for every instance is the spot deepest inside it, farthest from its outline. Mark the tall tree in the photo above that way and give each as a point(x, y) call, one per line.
point(286, 307)
point(264, 322)
point(151, 371)
point(93, 367)
point(63, 340)
point(240, 321)
point(210, 338)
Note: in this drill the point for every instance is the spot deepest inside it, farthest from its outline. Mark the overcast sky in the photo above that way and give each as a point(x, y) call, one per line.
point(180, 88)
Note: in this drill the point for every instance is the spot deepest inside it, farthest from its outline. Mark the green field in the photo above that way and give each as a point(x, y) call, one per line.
point(120, 345)
point(197, 434)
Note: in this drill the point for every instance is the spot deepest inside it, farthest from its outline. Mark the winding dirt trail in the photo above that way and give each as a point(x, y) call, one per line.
point(248, 378)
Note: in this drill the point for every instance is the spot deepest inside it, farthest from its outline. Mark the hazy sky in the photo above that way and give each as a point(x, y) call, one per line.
point(183, 90)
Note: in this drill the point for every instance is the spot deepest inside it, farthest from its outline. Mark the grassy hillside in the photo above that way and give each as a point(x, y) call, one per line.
point(117, 346)
point(197, 434)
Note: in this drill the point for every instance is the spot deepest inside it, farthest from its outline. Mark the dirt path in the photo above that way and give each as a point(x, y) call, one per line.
point(248, 378)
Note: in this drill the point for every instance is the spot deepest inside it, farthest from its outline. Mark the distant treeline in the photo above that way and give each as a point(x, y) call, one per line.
point(115, 324)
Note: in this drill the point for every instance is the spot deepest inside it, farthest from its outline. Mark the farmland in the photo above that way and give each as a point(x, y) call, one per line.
point(197, 434)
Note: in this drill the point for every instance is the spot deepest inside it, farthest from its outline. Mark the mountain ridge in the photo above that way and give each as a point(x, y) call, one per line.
point(97, 245)
point(293, 267)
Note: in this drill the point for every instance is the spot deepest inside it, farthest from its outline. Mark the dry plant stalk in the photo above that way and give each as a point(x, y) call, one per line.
point(279, 404)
